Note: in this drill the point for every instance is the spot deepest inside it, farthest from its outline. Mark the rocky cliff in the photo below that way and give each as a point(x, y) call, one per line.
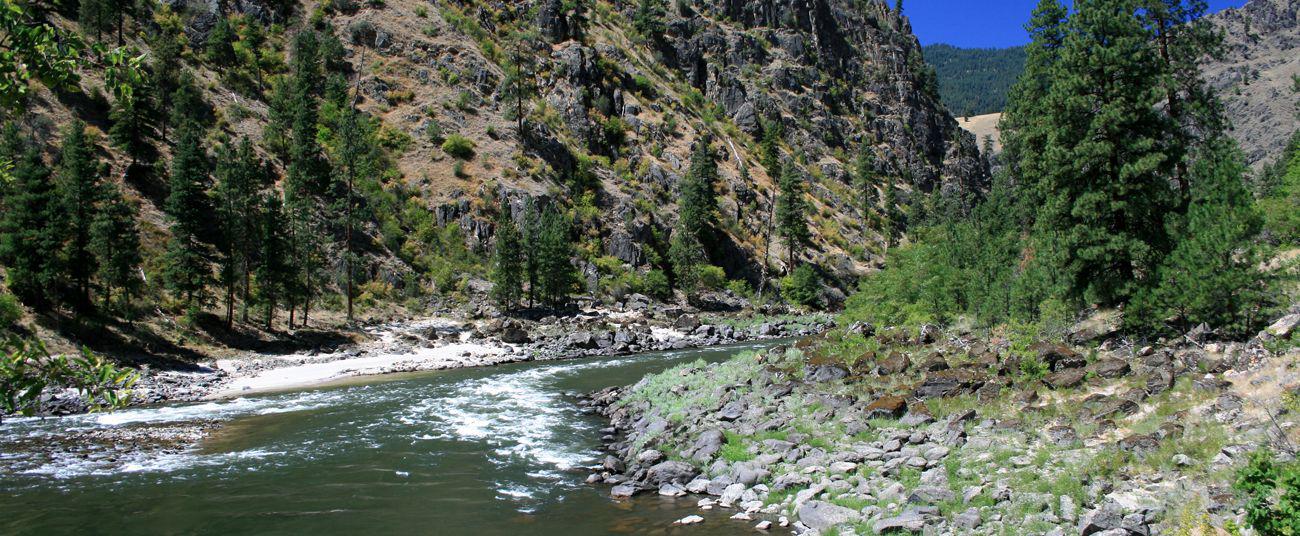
point(1255, 77)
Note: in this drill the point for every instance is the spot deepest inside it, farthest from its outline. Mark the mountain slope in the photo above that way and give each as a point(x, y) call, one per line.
point(1256, 76)
point(975, 81)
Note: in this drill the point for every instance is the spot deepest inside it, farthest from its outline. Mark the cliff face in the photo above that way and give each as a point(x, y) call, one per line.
point(621, 111)
point(1255, 76)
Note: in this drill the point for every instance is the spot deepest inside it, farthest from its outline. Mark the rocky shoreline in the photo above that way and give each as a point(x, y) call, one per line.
point(866, 430)
point(447, 343)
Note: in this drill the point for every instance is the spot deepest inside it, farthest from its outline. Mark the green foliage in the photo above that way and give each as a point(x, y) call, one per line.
point(1281, 196)
point(648, 20)
point(27, 369)
point(792, 212)
point(802, 286)
point(1212, 275)
point(1272, 491)
point(975, 81)
point(655, 284)
point(458, 146)
point(220, 44)
point(79, 188)
point(557, 277)
point(273, 271)
point(115, 242)
point(31, 224)
point(507, 261)
point(712, 277)
point(33, 50)
point(687, 257)
point(697, 208)
point(188, 271)
point(10, 311)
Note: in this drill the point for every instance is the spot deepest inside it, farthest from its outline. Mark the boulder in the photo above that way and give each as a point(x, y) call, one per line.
point(673, 472)
point(950, 382)
point(622, 491)
point(820, 516)
point(1107, 517)
point(825, 373)
point(894, 363)
point(1111, 368)
point(1284, 326)
point(886, 407)
point(1059, 357)
point(1062, 435)
point(707, 445)
point(514, 335)
point(1066, 378)
point(687, 323)
point(904, 523)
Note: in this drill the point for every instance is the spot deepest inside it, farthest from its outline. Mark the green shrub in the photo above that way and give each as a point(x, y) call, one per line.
point(27, 369)
point(10, 311)
point(802, 287)
point(1272, 491)
point(740, 287)
point(655, 284)
point(458, 146)
point(712, 277)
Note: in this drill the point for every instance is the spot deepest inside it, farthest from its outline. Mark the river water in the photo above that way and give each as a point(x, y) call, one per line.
point(501, 450)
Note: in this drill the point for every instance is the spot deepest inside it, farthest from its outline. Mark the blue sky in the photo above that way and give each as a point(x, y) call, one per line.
point(983, 23)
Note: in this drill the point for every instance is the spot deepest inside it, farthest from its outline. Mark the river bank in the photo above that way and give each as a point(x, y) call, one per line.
point(864, 431)
point(448, 343)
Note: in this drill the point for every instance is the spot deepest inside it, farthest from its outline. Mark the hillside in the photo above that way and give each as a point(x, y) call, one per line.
point(594, 111)
point(975, 81)
point(1257, 75)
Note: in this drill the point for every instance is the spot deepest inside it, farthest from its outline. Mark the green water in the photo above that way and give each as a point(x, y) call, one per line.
point(499, 450)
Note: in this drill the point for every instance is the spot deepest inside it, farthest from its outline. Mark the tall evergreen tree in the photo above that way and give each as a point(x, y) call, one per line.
point(557, 276)
point(96, 16)
point(239, 172)
point(864, 177)
point(167, 43)
point(274, 274)
point(31, 228)
point(132, 117)
point(79, 183)
point(115, 241)
point(352, 164)
point(649, 20)
point(188, 272)
point(698, 206)
point(219, 47)
point(531, 238)
point(507, 260)
point(1212, 276)
point(1105, 167)
point(792, 213)
point(687, 256)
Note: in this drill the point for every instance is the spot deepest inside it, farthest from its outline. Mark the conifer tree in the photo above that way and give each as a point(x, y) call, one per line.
point(167, 44)
point(687, 256)
point(219, 47)
point(353, 161)
point(649, 20)
point(187, 106)
point(507, 260)
point(531, 238)
point(1106, 171)
point(31, 229)
point(698, 206)
point(132, 117)
point(519, 83)
point(1212, 276)
point(96, 16)
point(115, 241)
point(274, 274)
point(79, 185)
point(239, 172)
point(188, 270)
point(556, 274)
point(792, 213)
point(865, 180)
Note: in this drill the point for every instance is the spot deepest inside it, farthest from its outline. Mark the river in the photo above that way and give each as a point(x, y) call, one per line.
point(498, 450)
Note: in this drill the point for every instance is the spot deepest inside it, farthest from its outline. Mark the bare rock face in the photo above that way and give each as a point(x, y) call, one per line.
point(1254, 77)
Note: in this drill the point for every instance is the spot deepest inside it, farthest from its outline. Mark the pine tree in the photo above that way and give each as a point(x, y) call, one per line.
point(167, 44)
point(768, 147)
point(132, 117)
point(507, 261)
point(220, 44)
point(115, 241)
point(698, 207)
point(31, 230)
point(649, 20)
point(188, 270)
point(1106, 172)
point(519, 83)
point(274, 274)
point(238, 171)
point(864, 177)
point(352, 163)
point(687, 256)
point(556, 274)
point(792, 213)
point(1212, 276)
point(187, 106)
point(79, 183)
point(532, 242)
point(96, 16)
point(889, 212)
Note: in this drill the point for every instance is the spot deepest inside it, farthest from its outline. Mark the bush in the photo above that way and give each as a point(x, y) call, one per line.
point(712, 277)
point(655, 284)
point(802, 287)
point(458, 146)
point(1272, 492)
point(10, 311)
point(27, 369)
point(740, 287)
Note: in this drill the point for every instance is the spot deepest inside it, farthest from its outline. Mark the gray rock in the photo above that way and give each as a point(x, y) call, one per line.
point(819, 515)
point(623, 491)
point(670, 472)
point(1104, 518)
point(906, 522)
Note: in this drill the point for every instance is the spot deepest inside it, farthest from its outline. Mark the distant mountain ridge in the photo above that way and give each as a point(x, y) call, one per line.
point(975, 81)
